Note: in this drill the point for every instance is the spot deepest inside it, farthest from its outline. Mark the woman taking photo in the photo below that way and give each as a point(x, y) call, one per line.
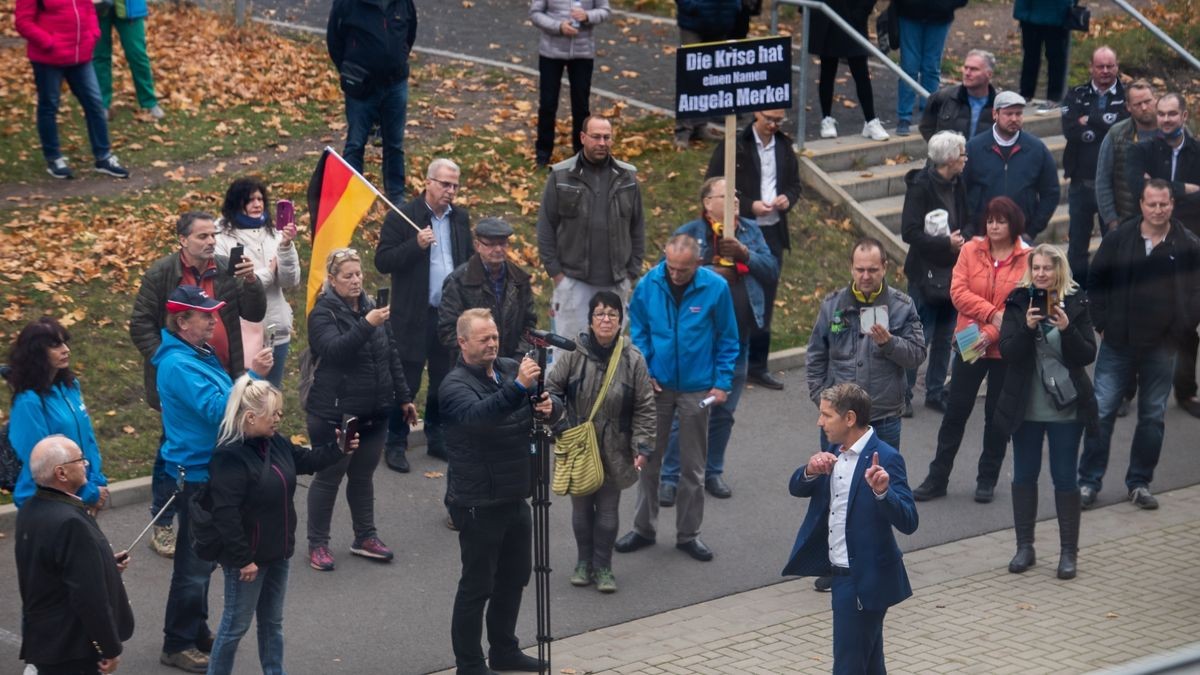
point(625, 428)
point(987, 270)
point(47, 400)
point(252, 482)
point(358, 374)
point(246, 221)
point(1047, 330)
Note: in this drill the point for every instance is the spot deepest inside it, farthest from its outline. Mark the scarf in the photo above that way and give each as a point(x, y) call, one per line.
point(245, 222)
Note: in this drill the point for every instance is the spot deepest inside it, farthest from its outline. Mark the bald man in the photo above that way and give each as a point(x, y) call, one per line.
point(75, 613)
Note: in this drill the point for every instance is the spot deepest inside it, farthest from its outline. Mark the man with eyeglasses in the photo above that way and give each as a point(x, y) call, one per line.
point(1088, 112)
point(590, 229)
point(75, 613)
point(768, 183)
point(419, 262)
point(489, 280)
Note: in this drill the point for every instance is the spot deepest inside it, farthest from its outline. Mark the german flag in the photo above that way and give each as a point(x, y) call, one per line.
point(338, 199)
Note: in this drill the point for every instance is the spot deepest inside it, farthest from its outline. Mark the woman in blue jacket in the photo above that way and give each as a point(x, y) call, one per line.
point(47, 400)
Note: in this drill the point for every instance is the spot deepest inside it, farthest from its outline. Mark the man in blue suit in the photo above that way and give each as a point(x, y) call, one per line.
point(858, 493)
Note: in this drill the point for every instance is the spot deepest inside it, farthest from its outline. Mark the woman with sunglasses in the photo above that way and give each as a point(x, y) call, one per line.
point(47, 400)
point(358, 374)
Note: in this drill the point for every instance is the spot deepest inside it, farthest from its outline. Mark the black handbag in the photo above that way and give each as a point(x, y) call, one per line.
point(355, 80)
point(887, 29)
point(1079, 18)
point(1054, 375)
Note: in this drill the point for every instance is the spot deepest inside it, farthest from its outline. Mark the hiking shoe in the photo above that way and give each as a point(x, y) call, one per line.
point(112, 167)
point(903, 128)
point(828, 128)
point(1141, 498)
point(823, 584)
point(582, 575)
point(162, 541)
point(59, 169)
point(189, 660)
point(605, 581)
point(373, 548)
point(874, 131)
point(319, 558)
point(1087, 496)
point(928, 490)
point(156, 112)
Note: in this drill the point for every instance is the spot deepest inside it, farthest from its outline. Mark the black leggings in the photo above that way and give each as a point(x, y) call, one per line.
point(862, 82)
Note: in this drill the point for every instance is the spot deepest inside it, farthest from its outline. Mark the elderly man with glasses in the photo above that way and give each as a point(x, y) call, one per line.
point(768, 180)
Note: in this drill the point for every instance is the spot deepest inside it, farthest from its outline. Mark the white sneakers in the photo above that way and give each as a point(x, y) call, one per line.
point(828, 128)
point(874, 131)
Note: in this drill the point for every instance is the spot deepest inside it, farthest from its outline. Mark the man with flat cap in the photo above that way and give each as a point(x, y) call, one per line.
point(490, 280)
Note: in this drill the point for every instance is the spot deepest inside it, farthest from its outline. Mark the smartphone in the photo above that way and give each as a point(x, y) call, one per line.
point(285, 213)
point(871, 316)
point(349, 431)
point(235, 258)
point(382, 297)
point(1041, 301)
point(269, 336)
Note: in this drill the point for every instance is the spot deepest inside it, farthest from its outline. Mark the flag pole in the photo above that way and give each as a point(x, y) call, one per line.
point(373, 188)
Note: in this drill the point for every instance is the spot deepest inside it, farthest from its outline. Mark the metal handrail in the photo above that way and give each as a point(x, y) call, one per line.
point(1156, 31)
point(805, 6)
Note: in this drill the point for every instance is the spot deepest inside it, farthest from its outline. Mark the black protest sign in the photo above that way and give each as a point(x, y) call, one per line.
point(736, 76)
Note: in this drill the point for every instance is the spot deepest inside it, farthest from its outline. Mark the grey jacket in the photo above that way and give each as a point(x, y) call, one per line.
point(625, 423)
point(566, 211)
point(549, 15)
point(838, 351)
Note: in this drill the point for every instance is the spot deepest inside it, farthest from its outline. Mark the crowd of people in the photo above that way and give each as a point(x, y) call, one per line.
point(665, 347)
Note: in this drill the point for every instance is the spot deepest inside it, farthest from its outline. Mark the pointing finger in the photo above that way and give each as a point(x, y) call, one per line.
point(875, 459)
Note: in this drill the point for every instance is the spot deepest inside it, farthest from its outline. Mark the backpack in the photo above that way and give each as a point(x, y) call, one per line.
point(10, 464)
point(203, 535)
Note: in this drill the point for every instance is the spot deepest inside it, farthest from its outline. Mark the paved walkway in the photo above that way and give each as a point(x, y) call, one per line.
point(1137, 594)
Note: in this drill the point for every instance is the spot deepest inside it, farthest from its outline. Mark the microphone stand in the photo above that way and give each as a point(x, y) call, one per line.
point(539, 448)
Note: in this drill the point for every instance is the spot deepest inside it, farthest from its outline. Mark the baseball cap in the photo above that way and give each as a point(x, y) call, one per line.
point(192, 299)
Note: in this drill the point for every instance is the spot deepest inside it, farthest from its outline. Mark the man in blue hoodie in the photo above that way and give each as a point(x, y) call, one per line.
point(682, 319)
point(193, 388)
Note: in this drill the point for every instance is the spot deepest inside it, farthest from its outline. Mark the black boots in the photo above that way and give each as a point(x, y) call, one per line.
point(1024, 499)
point(1068, 505)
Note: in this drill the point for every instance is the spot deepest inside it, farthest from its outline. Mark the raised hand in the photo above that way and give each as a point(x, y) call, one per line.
point(821, 463)
point(877, 477)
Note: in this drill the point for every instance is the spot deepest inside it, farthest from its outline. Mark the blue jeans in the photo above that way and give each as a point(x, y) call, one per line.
point(886, 428)
point(280, 352)
point(1081, 202)
point(720, 428)
point(921, 46)
point(938, 321)
point(1063, 438)
point(1115, 367)
point(244, 600)
point(387, 105)
point(81, 78)
point(187, 601)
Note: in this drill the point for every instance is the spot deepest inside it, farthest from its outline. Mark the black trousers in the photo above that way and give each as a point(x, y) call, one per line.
point(437, 356)
point(88, 666)
point(760, 339)
point(1056, 41)
point(965, 379)
point(496, 544)
point(1185, 366)
point(579, 77)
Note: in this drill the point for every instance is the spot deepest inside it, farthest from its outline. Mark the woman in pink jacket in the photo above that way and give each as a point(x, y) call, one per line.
point(61, 36)
point(988, 269)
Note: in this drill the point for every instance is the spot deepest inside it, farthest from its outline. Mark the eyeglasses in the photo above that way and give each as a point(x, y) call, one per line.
point(606, 316)
point(605, 138)
point(76, 461)
point(774, 121)
point(446, 184)
point(493, 243)
point(344, 253)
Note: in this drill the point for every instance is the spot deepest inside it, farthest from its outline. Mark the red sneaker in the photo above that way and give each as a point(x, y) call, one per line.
point(373, 548)
point(320, 558)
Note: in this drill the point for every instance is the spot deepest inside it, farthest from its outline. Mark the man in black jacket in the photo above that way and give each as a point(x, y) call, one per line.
point(967, 107)
point(75, 613)
point(768, 180)
point(369, 42)
point(1145, 297)
point(486, 409)
point(419, 262)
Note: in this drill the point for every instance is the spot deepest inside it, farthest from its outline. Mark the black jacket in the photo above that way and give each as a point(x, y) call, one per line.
point(1154, 157)
point(257, 518)
point(949, 109)
point(1019, 350)
point(487, 426)
point(930, 261)
point(73, 603)
point(468, 287)
point(360, 372)
point(928, 11)
point(1144, 301)
point(375, 34)
point(1083, 140)
point(749, 174)
point(400, 256)
point(827, 40)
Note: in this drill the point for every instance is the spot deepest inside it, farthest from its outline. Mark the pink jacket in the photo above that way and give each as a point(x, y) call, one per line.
point(980, 285)
point(59, 32)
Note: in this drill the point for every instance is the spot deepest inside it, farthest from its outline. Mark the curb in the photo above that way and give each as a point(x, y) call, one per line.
point(137, 490)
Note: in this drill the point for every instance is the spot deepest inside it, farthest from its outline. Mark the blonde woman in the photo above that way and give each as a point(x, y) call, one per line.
point(1046, 318)
point(252, 481)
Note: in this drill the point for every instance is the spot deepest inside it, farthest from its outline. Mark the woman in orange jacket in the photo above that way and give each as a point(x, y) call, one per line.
point(989, 267)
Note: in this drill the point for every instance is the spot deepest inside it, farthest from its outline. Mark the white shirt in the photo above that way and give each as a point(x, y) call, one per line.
point(767, 176)
point(839, 498)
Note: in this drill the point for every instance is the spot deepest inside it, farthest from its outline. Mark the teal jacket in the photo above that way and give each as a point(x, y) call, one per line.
point(60, 411)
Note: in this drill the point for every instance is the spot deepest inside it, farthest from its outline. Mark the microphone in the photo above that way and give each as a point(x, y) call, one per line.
point(552, 339)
